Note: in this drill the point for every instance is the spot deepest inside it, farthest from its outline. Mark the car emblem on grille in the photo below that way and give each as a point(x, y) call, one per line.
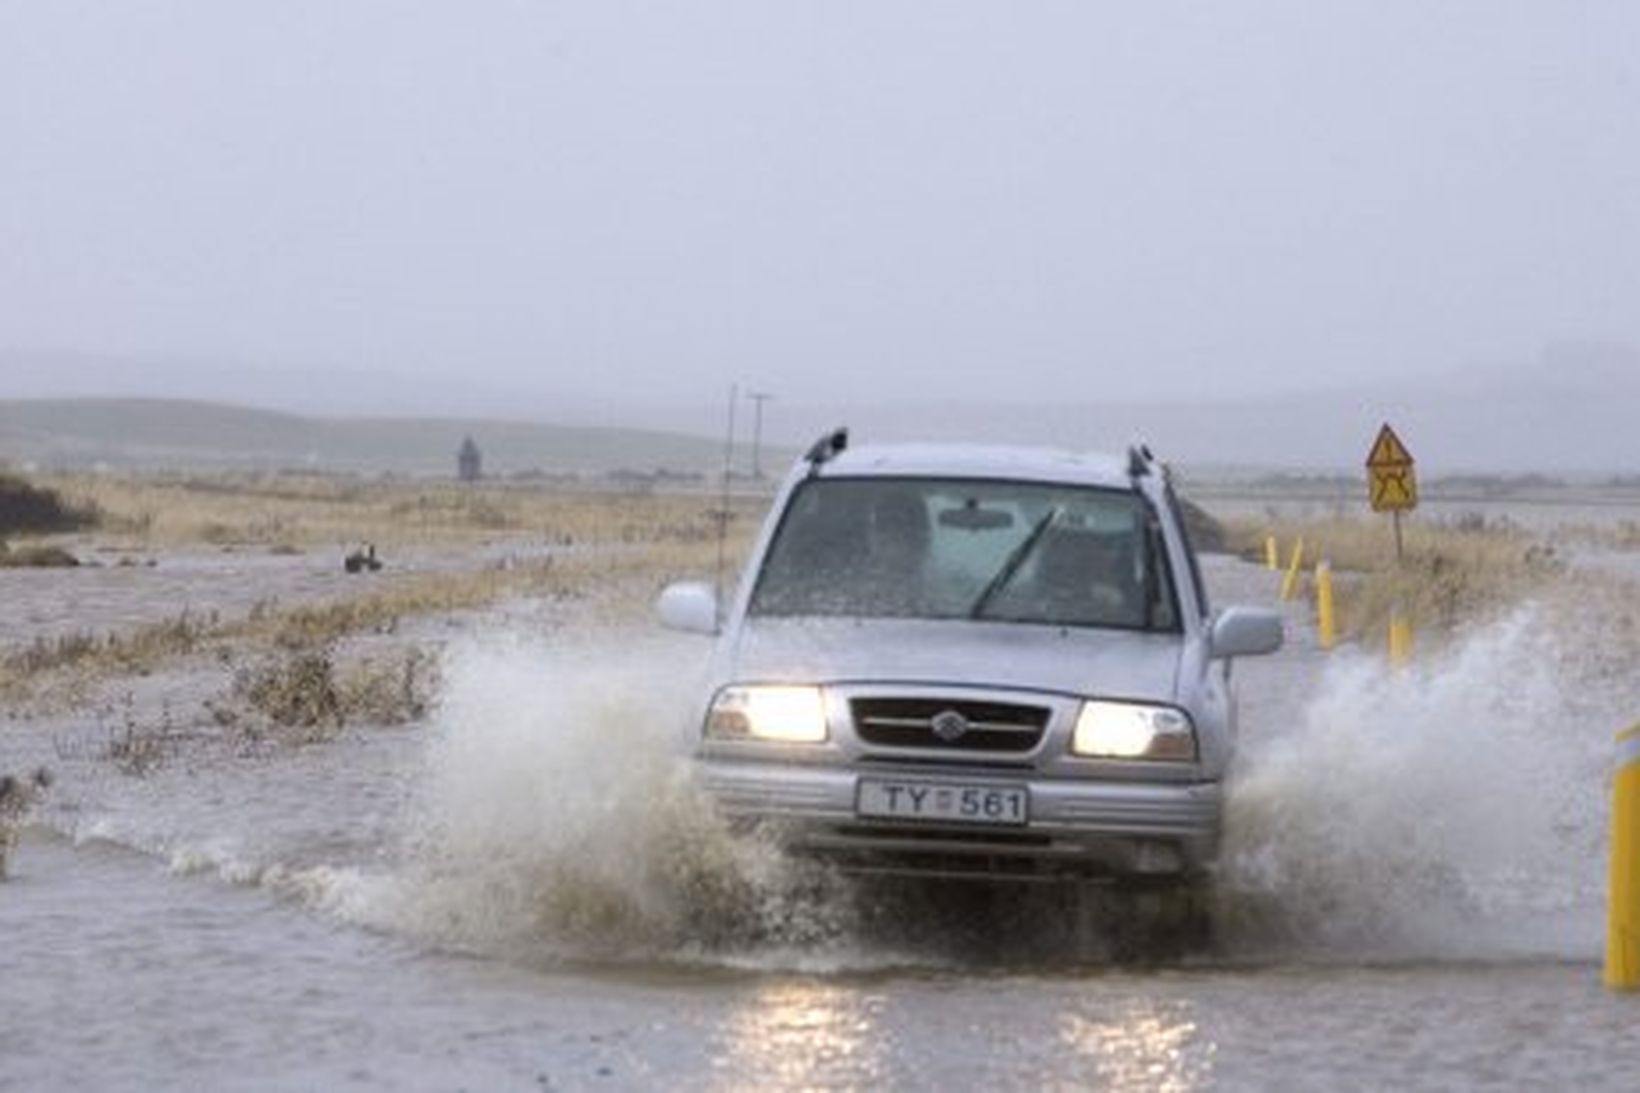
point(948, 725)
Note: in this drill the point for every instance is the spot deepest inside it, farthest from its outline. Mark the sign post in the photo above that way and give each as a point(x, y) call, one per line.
point(1392, 482)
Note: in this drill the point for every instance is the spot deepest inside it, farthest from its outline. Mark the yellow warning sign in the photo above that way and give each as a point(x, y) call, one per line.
point(1388, 451)
point(1392, 483)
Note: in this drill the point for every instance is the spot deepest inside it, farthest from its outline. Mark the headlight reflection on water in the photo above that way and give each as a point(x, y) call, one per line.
point(1150, 1047)
point(796, 1035)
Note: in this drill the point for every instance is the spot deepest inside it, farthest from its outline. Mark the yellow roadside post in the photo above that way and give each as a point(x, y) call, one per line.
point(1272, 555)
point(1623, 899)
point(1326, 619)
point(1289, 583)
point(1400, 639)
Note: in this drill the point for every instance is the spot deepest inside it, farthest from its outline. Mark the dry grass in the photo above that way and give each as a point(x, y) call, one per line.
point(1623, 536)
point(86, 653)
point(36, 556)
point(293, 511)
point(624, 580)
point(619, 549)
point(307, 695)
point(1451, 575)
point(136, 747)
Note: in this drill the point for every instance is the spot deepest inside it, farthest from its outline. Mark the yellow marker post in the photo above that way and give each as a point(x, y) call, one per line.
point(1289, 583)
point(1326, 619)
point(1400, 639)
point(1272, 554)
point(1623, 899)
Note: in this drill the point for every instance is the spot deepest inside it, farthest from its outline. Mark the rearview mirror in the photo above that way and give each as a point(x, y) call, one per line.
point(973, 518)
point(689, 606)
point(1245, 632)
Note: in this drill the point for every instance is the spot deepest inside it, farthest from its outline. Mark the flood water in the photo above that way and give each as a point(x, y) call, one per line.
point(522, 894)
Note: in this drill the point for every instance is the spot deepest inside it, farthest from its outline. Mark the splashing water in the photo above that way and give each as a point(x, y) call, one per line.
point(555, 819)
point(1453, 810)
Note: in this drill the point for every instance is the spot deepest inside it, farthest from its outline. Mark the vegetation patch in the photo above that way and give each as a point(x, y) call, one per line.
point(305, 511)
point(1451, 575)
point(297, 691)
point(308, 695)
point(137, 747)
point(127, 651)
point(1207, 533)
point(1623, 536)
point(40, 556)
point(29, 509)
point(624, 548)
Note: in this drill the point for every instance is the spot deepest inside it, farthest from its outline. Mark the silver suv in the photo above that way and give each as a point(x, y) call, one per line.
point(961, 660)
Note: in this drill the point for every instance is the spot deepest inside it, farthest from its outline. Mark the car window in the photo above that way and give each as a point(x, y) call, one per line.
point(948, 548)
point(1196, 583)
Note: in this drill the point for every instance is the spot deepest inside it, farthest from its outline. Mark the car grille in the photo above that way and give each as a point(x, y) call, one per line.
point(948, 725)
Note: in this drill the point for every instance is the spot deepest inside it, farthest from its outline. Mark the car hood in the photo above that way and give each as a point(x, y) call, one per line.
point(1068, 660)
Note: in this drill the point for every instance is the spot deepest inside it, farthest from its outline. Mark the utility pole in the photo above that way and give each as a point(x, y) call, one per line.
point(758, 399)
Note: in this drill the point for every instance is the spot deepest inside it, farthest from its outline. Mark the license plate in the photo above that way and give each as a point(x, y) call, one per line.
point(964, 803)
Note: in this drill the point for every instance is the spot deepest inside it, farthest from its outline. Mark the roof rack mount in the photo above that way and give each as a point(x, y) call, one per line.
point(1140, 461)
point(827, 448)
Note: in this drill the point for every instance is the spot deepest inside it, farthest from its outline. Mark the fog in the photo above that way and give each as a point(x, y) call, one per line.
point(615, 210)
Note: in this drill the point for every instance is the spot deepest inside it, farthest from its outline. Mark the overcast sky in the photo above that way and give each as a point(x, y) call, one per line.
point(504, 206)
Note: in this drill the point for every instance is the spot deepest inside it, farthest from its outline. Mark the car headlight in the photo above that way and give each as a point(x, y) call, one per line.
point(793, 715)
point(1127, 730)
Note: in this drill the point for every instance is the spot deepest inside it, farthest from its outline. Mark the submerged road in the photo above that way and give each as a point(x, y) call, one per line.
point(275, 923)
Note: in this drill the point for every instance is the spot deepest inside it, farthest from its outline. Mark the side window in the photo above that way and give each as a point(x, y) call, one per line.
point(1164, 600)
point(1176, 511)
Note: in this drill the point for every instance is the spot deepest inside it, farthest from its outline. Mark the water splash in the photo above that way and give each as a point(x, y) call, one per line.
point(1450, 811)
point(555, 819)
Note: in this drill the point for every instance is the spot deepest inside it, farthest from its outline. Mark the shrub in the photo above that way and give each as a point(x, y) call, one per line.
point(25, 508)
point(297, 692)
point(306, 690)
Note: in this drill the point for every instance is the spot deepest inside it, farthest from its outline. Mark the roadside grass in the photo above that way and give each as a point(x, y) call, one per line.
point(290, 512)
point(1451, 575)
point(1623, 537)
point(137, 746)
point(618, 550)
point(36, 556)
point(307, 695)
point(84, 653)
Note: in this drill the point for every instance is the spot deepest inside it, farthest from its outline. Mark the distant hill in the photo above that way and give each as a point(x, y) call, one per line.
point(183, 434)
point(1572, 409)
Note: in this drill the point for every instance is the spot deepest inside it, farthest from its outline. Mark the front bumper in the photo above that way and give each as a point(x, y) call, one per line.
point(1076, 827)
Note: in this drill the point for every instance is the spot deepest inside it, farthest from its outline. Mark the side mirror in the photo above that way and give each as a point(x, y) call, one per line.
point(690, 606)
point(1245, 632)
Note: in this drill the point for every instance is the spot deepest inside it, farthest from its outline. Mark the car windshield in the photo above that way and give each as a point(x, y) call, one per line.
point(940, 548)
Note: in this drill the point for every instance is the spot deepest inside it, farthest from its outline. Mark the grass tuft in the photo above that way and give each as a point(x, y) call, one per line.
point(42, 556)
point(306, 696)
point(1451, 575)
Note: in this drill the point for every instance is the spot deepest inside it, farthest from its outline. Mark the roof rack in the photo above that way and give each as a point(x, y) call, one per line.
point(1140, 461)
point(827, 447)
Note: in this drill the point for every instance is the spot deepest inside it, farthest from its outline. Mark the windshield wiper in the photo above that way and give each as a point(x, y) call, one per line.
point(1011, 564)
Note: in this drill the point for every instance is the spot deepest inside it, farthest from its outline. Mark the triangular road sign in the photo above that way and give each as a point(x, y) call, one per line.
point(1388, 451)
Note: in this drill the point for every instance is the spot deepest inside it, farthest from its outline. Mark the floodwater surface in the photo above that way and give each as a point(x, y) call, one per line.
point(523, 893)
